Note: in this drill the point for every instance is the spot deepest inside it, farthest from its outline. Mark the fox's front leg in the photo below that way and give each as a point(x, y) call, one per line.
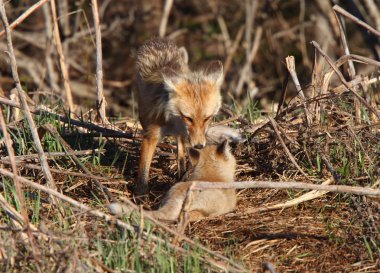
point(148, 146)
point(181, 156)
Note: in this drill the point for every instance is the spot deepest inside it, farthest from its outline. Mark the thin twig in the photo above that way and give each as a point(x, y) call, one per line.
point(351, 67)
point(373, 11)
point(274, 125)
point(101, 100)
point(72, 121)
point(356, 20)
point(25, 15)
point(345, 47)
point(58, 44)
point(245, 74)
point(65, 172)
point(165, 17)
point(53, 79)
point(232, 51)
point(202, 185)
point(290, 65)
point(19, 158)
point(222, 25)
point(305, 58)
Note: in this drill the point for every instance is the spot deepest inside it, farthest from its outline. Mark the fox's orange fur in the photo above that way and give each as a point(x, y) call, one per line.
point(173, 101)
point(214, 163)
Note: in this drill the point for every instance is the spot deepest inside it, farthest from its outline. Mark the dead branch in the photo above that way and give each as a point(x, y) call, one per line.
point(290, 65)
point(101, 100)
point(373, 12)
point(232, 51)
point(58, 44)
point(351, 67)
point(165, 17)
point(19, 158)
point(245, 73)
point(53, 78)
point(64, 172)
point(66, 119)
point(201, 185)
point(356, 20)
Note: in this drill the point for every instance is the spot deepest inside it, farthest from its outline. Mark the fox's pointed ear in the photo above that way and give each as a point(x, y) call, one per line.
point(194, 155)
point(214, 72)
point(170, 77)
point(223, 149)
point(184, 54)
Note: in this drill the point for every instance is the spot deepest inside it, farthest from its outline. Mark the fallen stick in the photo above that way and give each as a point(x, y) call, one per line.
point(83, 124)
point(202, 185)
point(5, 159)
point(64, 172)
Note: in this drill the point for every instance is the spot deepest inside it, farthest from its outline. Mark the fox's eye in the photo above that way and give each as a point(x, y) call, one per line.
point(187, 119)
point(208, 119)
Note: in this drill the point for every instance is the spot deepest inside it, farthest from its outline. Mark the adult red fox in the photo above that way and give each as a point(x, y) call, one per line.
point(214, 163)
point(173, 100)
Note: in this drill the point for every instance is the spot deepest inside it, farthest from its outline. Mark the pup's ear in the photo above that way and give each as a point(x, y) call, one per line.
point(223, 149)
point(184, 54)
point(170, 77)
point(214, 72)
point(194, 155)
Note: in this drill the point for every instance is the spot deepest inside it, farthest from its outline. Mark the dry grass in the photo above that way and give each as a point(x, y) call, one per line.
point(326, 131)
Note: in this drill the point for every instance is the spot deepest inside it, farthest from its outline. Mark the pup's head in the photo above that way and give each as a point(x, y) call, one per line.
point(195, 98)
point(213, 163)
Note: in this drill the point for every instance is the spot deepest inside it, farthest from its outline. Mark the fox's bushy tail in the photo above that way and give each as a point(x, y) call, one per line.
point(156, 54)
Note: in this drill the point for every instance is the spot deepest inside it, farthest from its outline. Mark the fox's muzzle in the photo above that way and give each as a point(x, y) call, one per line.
point(199, 146)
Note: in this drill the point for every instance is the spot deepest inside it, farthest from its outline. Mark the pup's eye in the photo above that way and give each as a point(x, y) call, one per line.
point(187, 119)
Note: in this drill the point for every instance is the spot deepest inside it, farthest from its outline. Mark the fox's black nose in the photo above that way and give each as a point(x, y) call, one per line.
point(199, 146)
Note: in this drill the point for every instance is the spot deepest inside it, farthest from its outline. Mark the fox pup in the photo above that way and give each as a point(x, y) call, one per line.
point(214, 163)
point(173, 101)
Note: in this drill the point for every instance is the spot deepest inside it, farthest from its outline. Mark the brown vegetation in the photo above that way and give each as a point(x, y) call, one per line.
point(319, 125)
